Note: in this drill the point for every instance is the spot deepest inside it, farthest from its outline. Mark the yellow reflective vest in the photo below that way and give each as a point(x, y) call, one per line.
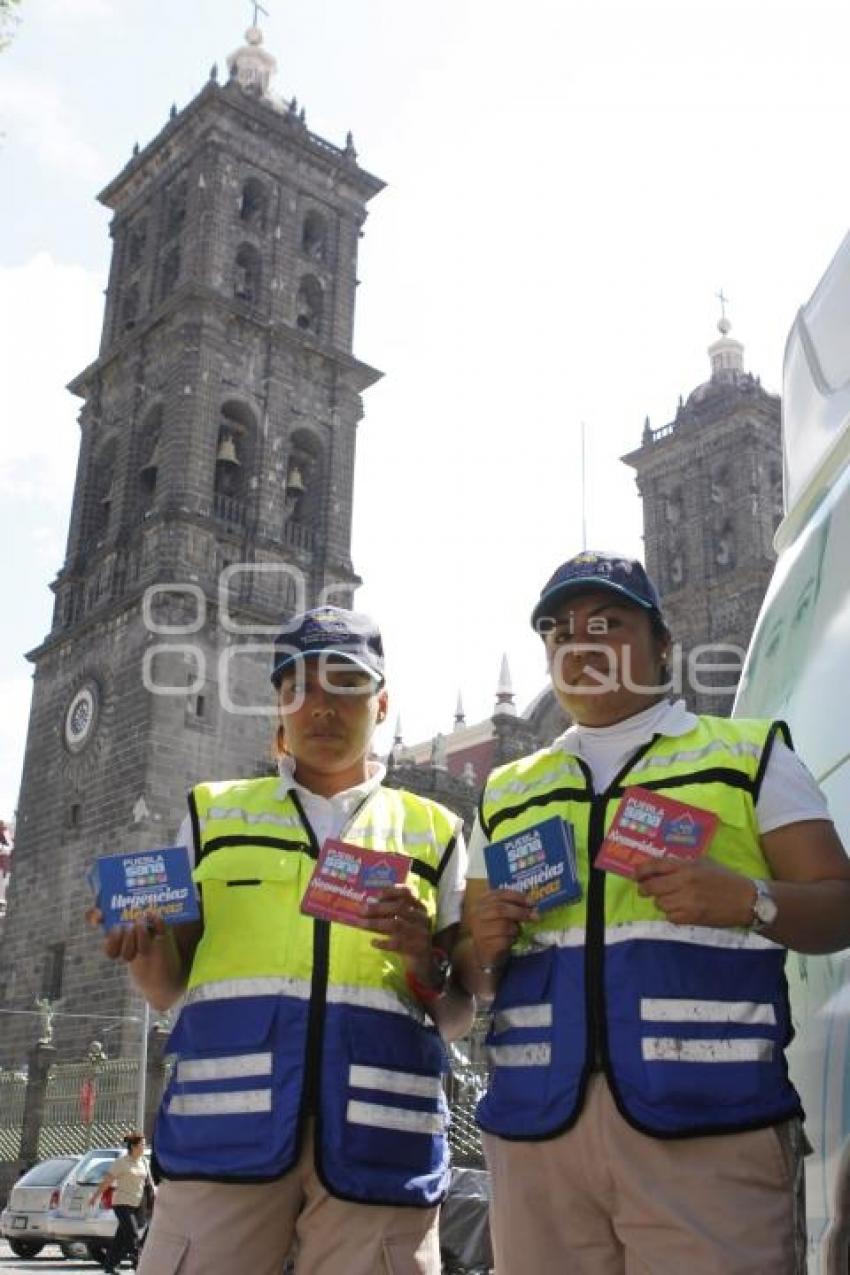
point(689, 1023)
point(287, 1016)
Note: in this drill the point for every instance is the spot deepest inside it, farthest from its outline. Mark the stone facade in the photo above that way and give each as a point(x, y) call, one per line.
point(213, 497)
point(711, 486)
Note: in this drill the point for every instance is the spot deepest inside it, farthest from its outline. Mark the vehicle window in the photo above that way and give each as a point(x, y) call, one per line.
point(95, 1170)
point(50, 1173)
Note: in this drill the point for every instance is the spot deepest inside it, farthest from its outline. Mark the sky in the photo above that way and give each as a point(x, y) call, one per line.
point(570, 183)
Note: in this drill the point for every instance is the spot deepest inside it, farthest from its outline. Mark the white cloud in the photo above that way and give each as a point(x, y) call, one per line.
point(34, 115)
point(49, 326)
point(80, 10)
point(15, 692)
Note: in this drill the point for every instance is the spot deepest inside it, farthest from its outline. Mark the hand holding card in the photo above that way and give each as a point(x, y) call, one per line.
point(648, 826)
point(128, 886)
point(540, 862)
point(345, 877)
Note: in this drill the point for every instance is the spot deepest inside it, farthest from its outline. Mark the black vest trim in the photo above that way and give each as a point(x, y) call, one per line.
point(245, 839)
point(777, 729)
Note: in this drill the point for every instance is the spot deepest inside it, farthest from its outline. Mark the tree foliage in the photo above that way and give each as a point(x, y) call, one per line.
point(8, 19)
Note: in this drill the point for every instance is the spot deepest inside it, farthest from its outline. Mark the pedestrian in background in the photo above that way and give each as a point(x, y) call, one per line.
point(128, 1177)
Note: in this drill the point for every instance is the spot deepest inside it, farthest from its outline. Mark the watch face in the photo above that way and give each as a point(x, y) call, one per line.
point(766, 909)
point(80, 717)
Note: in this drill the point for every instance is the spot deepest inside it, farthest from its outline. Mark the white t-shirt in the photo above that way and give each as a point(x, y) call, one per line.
point(130, 1175)
point(328, 816)
point(788, 792)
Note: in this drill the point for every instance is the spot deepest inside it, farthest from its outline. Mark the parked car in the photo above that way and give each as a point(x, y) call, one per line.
point(31, 1204)
point(75, 1221)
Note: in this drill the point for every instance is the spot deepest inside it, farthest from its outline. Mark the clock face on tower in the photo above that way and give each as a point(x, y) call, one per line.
point(80, 717)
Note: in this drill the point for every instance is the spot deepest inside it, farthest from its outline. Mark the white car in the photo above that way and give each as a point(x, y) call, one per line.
point(74, 1221)
point(797, 669)
point(31, 1204)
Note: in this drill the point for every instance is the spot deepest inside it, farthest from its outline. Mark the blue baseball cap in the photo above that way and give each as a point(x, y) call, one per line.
point(328, 630)
point(592, 570)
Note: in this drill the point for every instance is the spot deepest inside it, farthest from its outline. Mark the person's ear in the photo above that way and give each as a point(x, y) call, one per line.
point(383, 705)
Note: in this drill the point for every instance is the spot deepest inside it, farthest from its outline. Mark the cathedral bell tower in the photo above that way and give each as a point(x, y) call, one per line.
point(213, 498)
point(711, 485)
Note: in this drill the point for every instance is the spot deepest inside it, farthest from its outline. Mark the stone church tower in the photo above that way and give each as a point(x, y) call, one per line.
point(711, 485)
point(213, 497)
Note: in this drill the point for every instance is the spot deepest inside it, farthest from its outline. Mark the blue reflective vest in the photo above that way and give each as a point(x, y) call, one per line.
point(688, 1023)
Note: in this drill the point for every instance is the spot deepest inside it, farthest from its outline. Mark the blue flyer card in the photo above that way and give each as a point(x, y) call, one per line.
point(541, 862)
point(128, 885)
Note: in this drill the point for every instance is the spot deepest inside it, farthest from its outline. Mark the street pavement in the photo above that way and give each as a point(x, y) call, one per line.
point(48, 1260)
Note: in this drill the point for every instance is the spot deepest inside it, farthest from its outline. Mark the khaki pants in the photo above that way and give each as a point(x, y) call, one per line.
point(213, 1228)
point(603, 1199)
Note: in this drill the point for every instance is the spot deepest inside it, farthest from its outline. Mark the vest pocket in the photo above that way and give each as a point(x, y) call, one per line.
point(394, 1108)
point(236, 1074)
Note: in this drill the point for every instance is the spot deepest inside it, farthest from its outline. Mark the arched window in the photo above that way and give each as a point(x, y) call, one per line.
point(314, 236)
point(130, 307)
point(136, 245)
point(304, 485)
point(724, 547)
point(102, 490)
point(309, 305)
point(170, 272)
point(246, 278)
point(252, 205)
point(149, 456)
point(175, 207)
point(234, 462)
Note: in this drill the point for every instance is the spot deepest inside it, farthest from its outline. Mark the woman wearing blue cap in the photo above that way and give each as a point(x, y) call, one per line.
point(639, 1116)
point(306, 1101)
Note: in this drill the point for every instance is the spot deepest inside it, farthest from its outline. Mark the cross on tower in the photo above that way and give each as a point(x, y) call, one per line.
point(258, 8)
point(724, 301)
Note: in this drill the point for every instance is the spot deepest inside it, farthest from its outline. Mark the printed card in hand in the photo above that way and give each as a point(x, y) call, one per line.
point(345, 876)
point(650, 826)
point(540, 862)
point(126, 886)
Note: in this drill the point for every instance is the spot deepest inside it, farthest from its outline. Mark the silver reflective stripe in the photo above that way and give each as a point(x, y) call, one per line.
point(221, 1104)
point(532, 1055)
point(380, 1117)
point(516, 787)
point(558, 938)
point(668, 1010)
point(392, 835)
point(740, 748)
point(228, 989)
point(373, 998)
point(522, 1016)
point(674, 1049)
point(394, 1081)
point(701, 935)
point(253, 817)
point(233, 1068)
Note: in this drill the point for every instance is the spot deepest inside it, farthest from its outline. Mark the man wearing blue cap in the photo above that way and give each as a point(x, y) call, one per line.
point(306, 1102)
point(639, 1116)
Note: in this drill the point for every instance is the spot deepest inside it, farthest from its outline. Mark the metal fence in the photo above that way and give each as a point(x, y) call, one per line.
point(88, 1105)
point(13, 1093)
point(465, 1085)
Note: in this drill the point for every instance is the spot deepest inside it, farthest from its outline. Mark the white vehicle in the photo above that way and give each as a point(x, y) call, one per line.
point(32, 1201)
point(74, 1220)
point(798, 669)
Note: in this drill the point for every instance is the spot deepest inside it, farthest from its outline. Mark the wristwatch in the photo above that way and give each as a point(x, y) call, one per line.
point(765, 909)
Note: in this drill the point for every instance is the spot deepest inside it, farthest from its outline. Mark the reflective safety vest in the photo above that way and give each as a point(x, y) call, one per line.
point(689, 1023)
point(288, 1017)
